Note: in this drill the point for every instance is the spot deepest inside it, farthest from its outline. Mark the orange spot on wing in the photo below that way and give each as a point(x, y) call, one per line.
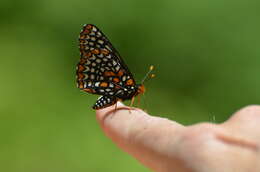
point(88, 54)
point(116, 80)
point(81, 76)
point(80, 84)
point(82, 36)
point(82, 60)
point(86, 31)
point(82, 46)
point(103, 84)
point(81, 68)
point(104, 51)
point(89, 90)
point(95, 51)
point(120, 73)
point(89, 26)
point(81, 41)
point(129, 82)
point(109, 73)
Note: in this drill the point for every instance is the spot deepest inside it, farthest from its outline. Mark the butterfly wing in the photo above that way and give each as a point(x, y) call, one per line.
point(104, 101)
point(101, 70)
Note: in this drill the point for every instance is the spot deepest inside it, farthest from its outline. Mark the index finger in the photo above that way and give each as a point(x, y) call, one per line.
point(145, 137)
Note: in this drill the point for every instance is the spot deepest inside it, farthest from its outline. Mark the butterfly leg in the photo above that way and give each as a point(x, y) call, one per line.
point(132, 101)
point(115, 106)
point(139, 100)
point(131, 104)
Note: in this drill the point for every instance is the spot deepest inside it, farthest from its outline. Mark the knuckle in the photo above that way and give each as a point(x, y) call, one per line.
point(252, 108)
point(198, 134)
point(250, 111)
point(199, 141)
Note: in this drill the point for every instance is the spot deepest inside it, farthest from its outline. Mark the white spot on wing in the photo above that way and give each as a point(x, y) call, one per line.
point(100, 41)
point(108, 48)
point(87, 69)
point(117, 68)
point(100, 55)
point(114, 62)
point(94, 29)
point(98, 60)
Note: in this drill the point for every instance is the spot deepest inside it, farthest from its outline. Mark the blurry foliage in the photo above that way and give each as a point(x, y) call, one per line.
point(207, 62)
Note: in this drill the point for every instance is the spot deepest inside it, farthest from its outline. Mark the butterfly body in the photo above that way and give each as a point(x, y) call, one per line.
point(102, 71)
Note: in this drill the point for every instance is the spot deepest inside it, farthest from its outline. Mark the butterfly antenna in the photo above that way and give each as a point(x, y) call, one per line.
point(148, 74)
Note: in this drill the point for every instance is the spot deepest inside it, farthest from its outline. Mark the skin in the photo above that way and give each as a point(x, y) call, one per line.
point(163, 145)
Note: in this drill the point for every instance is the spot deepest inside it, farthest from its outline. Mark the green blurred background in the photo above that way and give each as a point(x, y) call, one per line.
point(206, 55)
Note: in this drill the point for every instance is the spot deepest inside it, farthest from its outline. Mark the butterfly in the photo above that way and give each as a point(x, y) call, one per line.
point(102, 71)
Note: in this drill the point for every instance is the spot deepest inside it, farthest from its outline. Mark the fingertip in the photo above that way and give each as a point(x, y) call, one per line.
point(118, 118)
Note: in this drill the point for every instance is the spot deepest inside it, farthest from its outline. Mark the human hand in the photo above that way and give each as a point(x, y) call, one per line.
point(163, 145)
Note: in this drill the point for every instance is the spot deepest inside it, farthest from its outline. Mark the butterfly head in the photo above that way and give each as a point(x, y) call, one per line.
point(140, 89)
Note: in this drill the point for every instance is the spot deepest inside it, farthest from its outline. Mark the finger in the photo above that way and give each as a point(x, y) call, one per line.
point(245, 122)
point(145, 137)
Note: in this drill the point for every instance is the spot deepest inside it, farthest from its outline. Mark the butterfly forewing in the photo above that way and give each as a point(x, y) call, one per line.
point(101, 70)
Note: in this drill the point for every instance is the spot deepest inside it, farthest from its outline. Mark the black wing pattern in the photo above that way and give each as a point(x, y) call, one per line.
point(101, 70)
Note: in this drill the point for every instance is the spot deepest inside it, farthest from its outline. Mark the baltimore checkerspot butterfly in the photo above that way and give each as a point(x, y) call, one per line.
point(102, 71)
